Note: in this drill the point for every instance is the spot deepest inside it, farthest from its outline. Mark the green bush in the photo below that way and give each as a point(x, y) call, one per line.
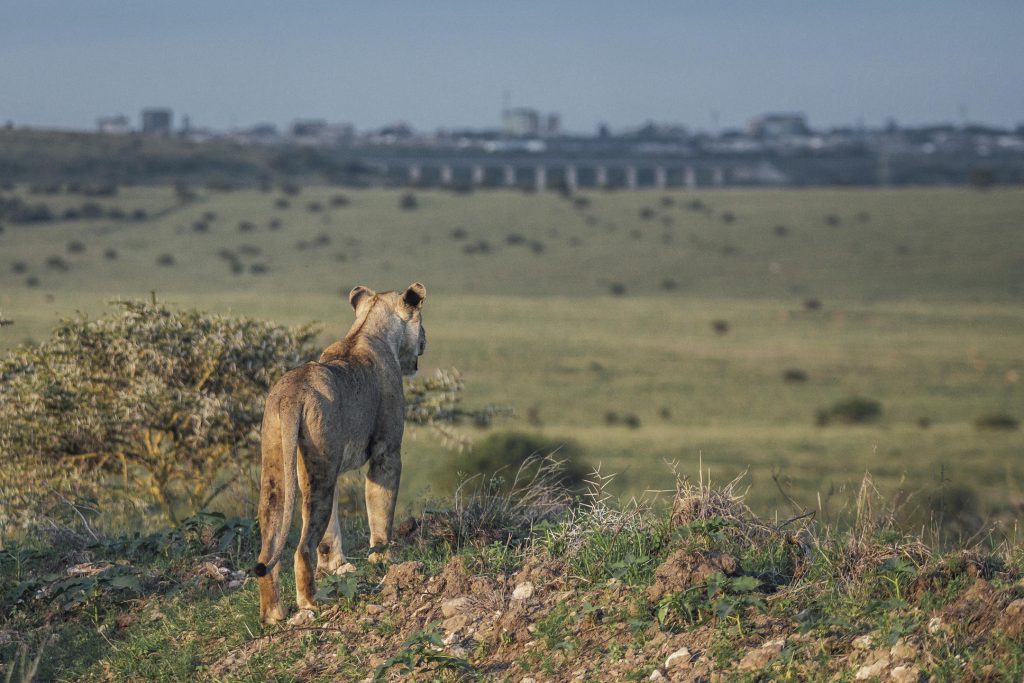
point(157, 404)
point(997, 421)
point(854, 410)
point(499, 457)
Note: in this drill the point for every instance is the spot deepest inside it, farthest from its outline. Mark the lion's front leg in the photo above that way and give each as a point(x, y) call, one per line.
point(382, 481)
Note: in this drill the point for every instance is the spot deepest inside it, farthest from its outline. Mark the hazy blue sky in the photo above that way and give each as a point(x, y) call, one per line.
point(448, 63)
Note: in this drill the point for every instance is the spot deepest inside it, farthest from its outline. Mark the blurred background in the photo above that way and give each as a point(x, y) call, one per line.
point(781, 239)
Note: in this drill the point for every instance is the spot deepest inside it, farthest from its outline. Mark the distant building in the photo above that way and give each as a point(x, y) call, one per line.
point(156, 121)
point(521, 122)
point(553, 126)
point(308, 128)
point(114, 125)
point(779, 126)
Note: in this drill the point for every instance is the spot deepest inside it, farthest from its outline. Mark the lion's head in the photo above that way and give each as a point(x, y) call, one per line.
point(399, 316)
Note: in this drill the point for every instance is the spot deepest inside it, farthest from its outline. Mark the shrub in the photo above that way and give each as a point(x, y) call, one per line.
point(500, 456)
point(76, 247)
point(408, 202)
point(720, 326)
point(794, 375)
point(728, 217)
point(164, 400)
point(854, 410)
point(668, 284)
point(459, 233)
point(812, 304)
point(514, 239)
point(246, 226)
point(56, 263)
point(166, 260)
point(110, 254)
point(996, 421)
point(832, 220)
point(282, 203)
point(780, 230)
point(314, 207)
point(613, 418)
point(617, 289)
point(647, 213)
point(339, 200)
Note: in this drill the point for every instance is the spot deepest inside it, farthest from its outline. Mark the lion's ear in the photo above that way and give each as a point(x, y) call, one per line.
point(359, 293)
point(415, 295)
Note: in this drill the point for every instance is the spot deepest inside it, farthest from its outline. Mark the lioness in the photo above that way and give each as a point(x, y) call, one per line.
point(338, 413)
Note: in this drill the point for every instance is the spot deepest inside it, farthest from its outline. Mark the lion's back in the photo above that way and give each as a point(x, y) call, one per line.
point(339, 399)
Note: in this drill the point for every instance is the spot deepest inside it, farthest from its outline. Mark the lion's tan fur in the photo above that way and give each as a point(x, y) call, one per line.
point(324, 418)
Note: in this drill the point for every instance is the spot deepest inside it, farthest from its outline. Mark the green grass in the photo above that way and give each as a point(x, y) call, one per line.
point(920, 311)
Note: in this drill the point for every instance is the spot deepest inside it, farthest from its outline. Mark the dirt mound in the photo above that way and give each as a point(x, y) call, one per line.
point(401, 578)
point(684, 569)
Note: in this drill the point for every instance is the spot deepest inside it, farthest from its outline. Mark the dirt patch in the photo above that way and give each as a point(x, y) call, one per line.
point(401, 578)
point(683, 569)
point(976, 611)
point(453, 579)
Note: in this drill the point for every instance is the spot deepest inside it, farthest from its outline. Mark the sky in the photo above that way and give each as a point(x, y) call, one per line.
point(438, 64)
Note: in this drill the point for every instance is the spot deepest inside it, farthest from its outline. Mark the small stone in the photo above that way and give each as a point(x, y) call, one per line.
point(680, 657)
point(302, 618)
point(233, 584)
point(346, 568)
point(523, 591)
point(757, 659)
point(372, 608)
point(656, 675)
point(902, 652)
point(456, 623)
point(862, 642)
point(935, 624)
point(449, 608)
point(904, 674)
point(527, 679)
point(872, 670)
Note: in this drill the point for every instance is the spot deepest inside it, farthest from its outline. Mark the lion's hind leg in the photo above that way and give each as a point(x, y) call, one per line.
point(317, 481)
point(331, 555)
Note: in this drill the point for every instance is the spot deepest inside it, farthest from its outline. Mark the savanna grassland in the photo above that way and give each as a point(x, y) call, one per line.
point(647, 326)
point(719, 328)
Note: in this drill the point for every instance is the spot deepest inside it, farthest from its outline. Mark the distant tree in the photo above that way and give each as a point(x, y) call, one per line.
point(981, 179)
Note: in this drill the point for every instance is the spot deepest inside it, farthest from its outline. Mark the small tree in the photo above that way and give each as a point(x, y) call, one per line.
point(165, 400)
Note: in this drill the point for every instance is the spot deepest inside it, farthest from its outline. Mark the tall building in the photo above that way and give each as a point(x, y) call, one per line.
point(521, 122)
point(553, 125)
point(156, 121)
point(779, 125)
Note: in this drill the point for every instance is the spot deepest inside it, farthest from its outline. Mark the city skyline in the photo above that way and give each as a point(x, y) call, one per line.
point(450, 65)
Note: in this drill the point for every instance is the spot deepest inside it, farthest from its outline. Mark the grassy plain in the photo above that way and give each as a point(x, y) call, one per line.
point(920, 293)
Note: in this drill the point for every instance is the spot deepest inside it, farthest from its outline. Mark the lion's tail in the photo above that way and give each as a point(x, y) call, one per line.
point(275, 508)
